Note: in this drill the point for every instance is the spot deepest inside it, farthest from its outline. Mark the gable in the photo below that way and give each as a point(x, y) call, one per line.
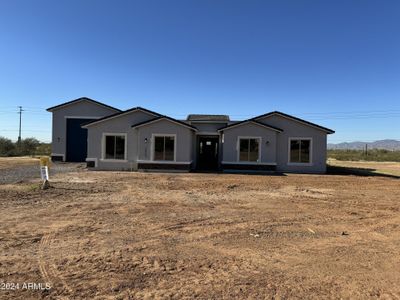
point(120, 122)
point(84, 109)
point(290, 126)
point(164, 119)
point(126, 116)
point(276, 115)
point(82, 102)
point(250, 122)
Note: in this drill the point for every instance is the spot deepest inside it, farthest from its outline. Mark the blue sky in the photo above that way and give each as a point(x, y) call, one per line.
point(336, 63)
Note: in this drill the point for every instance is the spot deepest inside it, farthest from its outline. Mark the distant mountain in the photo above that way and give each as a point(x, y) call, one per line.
point(382, 144)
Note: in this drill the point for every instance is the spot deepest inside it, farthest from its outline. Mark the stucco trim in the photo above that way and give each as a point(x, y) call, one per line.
point(248, 163)
point(156, 162)
point(246, 138)
point(58, 154)
point(93, 159)
point(153, 144)
point(207, 133)
point(103, 147)
point(309, 164)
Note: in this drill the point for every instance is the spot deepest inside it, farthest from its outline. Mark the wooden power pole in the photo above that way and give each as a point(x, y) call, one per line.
point(20, 122)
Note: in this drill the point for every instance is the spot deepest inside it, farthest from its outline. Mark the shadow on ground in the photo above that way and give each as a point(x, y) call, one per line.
point(338, 170)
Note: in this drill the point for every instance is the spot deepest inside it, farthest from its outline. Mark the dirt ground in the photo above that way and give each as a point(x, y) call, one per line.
point(120, 235)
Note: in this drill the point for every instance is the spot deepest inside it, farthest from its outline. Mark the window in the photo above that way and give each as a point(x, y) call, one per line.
point(114, 147)
point(300, 151)
point(249, 149)
point(164, 148)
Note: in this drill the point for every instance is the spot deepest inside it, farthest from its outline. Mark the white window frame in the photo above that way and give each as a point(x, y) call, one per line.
point(153, 136)
point(238, 148)
point(103, 147)
point(310, 163)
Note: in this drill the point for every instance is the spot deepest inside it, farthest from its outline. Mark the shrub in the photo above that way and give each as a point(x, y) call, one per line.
point(370, 155)
point(7, 147)
point(28, 146)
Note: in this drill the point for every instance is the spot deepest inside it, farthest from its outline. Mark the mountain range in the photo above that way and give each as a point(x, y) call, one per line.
point(381, 144)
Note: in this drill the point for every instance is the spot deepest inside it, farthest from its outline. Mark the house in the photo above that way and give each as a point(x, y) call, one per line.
point(140, 139)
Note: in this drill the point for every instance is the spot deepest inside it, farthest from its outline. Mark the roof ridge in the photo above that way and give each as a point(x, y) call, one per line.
point(164, 117)
point(123, 112)
point(296, 119)
point(80, 99)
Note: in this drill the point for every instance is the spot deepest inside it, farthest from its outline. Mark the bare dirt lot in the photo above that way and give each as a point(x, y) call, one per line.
point(120, 235)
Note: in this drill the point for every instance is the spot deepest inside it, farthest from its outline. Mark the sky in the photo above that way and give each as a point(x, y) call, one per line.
point(335, 63)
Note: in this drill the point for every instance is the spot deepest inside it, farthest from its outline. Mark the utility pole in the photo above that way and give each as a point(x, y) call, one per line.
point(20, 119)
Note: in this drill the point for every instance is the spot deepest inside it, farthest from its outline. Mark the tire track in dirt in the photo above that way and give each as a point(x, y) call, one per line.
point(49, 271)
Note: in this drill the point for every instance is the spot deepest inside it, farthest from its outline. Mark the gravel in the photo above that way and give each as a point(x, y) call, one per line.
point(23, 173)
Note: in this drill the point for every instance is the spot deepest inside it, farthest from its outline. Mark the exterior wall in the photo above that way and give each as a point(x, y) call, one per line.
point(82, 109)
point(183, 143)
point(230, 147)
point(295, 129)
point(118, 125)
point(208, 127)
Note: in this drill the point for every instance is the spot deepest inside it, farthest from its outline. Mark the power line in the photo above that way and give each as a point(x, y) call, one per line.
point(26, 130)
point(312, 116)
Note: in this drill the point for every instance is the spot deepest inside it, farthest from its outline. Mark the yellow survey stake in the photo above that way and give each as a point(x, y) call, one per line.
point(45, 161)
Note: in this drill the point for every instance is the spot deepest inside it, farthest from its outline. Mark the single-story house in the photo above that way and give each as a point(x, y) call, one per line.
point(140, 139)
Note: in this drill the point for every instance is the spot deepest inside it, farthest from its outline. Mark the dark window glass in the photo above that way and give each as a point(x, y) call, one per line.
point(253, 151)
point(305, 151)
point(164, 147)
point(294, 151)
point(300, 151)
point(115, 147)
point(244, 150)
point(159, 148)
point(119, 147)
point(110, 142)
point(169, 148)
point(249, 149)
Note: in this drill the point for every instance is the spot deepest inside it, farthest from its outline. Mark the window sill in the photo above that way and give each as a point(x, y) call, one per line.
point(300, 164)
point(114, 160)
point(248, 163)
point(164, 162)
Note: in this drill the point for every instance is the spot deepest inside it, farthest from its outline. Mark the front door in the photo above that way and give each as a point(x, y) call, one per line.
point(207, 153)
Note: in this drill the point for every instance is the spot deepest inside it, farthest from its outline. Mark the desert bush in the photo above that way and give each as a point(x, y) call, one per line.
point(7, 147)
point(28, 146)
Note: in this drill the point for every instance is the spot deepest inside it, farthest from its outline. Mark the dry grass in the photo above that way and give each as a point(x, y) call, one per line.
point(12, 162)
point(114, 235)
point(388, 168)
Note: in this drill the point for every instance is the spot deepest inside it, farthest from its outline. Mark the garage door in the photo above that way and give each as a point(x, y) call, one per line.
point(76, 140)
